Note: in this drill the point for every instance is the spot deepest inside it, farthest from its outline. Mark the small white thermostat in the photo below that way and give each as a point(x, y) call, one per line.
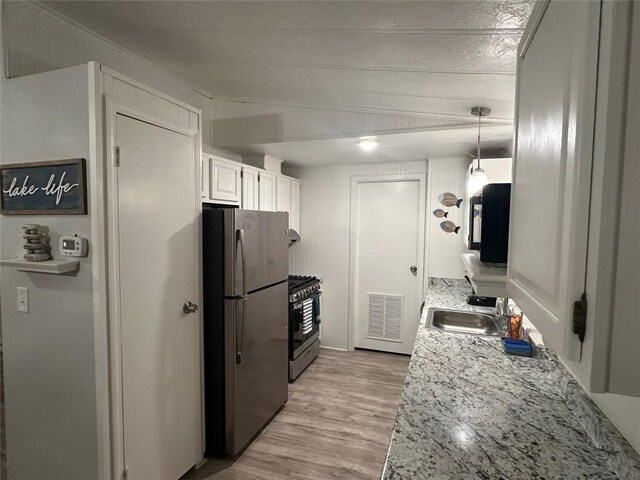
point(73, 246)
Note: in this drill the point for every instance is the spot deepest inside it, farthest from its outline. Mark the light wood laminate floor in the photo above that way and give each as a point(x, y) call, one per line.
point(336, 424)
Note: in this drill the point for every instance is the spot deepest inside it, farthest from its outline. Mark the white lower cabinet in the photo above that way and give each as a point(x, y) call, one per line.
point(224, 181)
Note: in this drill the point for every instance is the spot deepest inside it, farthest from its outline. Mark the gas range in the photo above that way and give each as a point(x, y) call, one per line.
point(304, 322)
point(301, 287)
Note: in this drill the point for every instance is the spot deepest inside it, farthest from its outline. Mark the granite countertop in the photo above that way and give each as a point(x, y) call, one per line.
point(468, 411)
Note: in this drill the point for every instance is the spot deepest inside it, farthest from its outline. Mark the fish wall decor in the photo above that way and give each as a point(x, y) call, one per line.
point(439, 213)
point(448, 199)
point(449, 227)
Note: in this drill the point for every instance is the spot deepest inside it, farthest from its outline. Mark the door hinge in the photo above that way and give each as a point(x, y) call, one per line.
point(125, 473)
point(580, 317)
point(118, 157)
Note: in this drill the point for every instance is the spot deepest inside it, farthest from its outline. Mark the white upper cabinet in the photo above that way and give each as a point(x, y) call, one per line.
point(615, 224)
point(267, 191)
point(294, 212)
point(204, 177)
point(283, 194)
point(232, 183)
point(250, 188)
point(555, 109)
point(225, 183)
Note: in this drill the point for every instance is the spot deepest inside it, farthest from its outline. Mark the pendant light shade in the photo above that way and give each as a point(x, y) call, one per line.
point(478, 177)
point(477, 180)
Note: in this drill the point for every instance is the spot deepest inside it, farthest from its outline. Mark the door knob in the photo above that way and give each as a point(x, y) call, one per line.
point(413, 269)
point(189, 308)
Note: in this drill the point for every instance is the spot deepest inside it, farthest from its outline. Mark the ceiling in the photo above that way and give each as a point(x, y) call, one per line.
point(416, 59)
point(405, 147)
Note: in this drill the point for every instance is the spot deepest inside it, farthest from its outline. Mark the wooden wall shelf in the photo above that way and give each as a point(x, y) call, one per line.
point(48, 266)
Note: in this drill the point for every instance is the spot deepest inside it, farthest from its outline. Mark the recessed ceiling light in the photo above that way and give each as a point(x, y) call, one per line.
point(368, 143)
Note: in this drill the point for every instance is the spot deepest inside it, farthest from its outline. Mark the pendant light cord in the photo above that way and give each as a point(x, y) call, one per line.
point(478, 148)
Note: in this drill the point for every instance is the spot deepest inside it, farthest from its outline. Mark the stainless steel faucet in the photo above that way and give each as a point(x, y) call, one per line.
point(502, 306)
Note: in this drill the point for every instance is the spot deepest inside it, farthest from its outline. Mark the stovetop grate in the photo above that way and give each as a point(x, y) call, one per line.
point(299, 282)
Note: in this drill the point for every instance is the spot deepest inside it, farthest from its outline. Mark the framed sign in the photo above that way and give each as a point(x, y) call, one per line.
point(55, 187)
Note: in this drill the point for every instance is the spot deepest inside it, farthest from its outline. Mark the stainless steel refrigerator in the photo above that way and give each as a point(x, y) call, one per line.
point(245, 312)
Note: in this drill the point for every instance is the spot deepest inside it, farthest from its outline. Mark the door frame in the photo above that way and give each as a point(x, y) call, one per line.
point(421, 178)
point(113, 108)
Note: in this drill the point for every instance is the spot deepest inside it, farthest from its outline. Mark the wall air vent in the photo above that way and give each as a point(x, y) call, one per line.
point(385, 316)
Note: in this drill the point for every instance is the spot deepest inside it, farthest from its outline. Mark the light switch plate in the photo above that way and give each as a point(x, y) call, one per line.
point(22, 299)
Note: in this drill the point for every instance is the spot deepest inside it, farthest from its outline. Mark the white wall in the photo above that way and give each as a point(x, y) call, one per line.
point(49, 353)
point(444, 249)
point(38, 41)
point(325, 211)
point(498, 170)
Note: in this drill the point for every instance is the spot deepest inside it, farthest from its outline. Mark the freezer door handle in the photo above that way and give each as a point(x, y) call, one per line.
point(240, 336)
point(240, 240)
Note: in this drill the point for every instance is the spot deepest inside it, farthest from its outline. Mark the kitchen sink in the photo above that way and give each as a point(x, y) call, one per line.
point(456, 321)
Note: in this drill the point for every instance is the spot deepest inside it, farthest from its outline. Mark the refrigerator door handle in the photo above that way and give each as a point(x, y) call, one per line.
point(240, 337)
point(240, 240)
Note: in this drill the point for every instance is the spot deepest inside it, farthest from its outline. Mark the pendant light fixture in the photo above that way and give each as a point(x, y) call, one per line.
point(478, 178)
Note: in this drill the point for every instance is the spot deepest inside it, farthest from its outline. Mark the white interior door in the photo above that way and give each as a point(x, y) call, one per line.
point(158, 241)
point(388, 226)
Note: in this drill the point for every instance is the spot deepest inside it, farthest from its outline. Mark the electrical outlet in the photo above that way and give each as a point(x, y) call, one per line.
point(22, 299)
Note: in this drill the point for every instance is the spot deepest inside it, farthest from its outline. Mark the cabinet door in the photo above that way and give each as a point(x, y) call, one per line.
point(204, 177)
point(283, 195)
point(226, 182)
point(267, 191)
point(624, 374)
point(294, 213)
point(555, 111)
point(250, 199)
